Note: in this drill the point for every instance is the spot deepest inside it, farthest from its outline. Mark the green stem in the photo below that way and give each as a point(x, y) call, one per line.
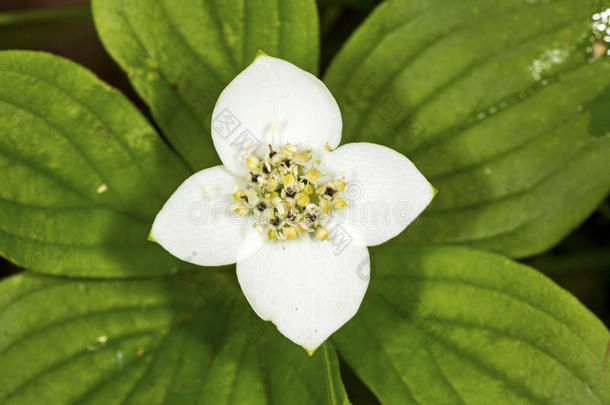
point(330, 384)
point(43, 15)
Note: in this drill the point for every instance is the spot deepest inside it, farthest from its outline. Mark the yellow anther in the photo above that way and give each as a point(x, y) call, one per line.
point(289, 233)
point(313, 175)
point(289, 180)
point(308, 189)
point(272, 184)
point(302, 199)
point(301, 158)
point(340, 185)
point(325, 205)
point(321, 233)
point(271, 234)
point(242, 211)
point(237, 195)
point(253, 163)
point(339, 203)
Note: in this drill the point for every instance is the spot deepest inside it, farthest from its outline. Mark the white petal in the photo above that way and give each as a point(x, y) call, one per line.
point(385, 192)
point(195, 224)
point(307, 288)
point(273, 102)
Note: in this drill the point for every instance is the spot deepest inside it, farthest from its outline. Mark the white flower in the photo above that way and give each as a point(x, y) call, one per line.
point(279, 206)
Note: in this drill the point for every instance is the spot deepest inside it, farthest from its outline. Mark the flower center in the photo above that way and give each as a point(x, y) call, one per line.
point(287, 195)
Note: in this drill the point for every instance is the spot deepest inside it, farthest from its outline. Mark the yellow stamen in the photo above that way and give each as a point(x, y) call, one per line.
point(289, 233)
point(272, 184)
point(242, 211)
point(313, 175)
point(301, 158)
point(289, 180)
point(285, 195)
point(321, 233)
point(253, 163)
point(325, 205)
point(308, 189)
point(339, 203)
point(302, 199)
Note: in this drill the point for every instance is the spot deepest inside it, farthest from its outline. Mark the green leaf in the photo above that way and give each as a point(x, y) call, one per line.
point(183, 339)
point(83, 173)
point(180, 55)
point(502, 106)
point(451, 325)
point(49, 27)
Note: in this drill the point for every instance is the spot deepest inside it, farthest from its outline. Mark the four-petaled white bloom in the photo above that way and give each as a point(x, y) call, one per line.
point(273, 206)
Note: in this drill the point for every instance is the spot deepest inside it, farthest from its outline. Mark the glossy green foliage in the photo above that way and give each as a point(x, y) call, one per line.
point(184, 339)
point(83, 173)
point(179, 56)
point(503, 105)
point(455, 326)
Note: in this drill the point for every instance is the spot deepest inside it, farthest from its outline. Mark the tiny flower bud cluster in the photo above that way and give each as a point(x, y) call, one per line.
point(287, 195)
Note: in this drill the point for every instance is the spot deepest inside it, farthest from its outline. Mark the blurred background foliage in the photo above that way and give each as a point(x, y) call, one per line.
point(580, 263)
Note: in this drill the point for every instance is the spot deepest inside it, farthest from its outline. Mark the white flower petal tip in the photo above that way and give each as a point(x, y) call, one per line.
point(310, 352)
point(307, 289)
point(273, 102)
point(385, 192)
point(197, 226)
point(151, 238)
point(259, 53)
